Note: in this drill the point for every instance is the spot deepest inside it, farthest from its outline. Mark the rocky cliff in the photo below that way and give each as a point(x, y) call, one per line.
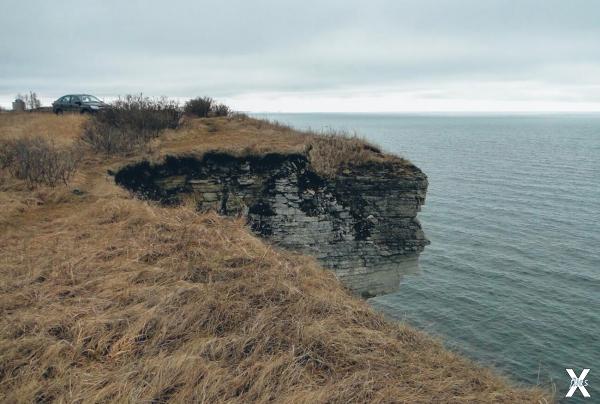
point(361, 223)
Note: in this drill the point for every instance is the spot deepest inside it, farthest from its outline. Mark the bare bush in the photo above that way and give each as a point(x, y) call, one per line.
point(142, 114)
point(221, 110)
point(38, 161)
point(31, 100)
point(104, 138)
point(199, 107)
point(203, 107)
point(129, 123)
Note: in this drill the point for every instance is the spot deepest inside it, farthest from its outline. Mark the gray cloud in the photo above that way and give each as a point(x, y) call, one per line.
point(234, 49)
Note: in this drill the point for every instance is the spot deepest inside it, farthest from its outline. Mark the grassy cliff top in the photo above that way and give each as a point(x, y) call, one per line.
point(329, 152)
point(108, 298)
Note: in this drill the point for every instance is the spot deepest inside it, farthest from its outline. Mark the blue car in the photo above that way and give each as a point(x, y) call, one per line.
point(82, 103)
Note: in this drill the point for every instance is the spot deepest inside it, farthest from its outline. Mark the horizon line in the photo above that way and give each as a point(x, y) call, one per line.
point(528, 112)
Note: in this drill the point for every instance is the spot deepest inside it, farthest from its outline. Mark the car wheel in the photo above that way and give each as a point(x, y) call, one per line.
point(58, 111)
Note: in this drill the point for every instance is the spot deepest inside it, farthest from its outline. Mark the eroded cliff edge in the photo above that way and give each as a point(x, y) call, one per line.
point(361, 223)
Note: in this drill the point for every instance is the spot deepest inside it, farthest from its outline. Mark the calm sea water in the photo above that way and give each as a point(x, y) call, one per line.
point(512, 275)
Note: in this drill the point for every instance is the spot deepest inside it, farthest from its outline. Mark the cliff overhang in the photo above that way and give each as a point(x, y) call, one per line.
point(361, 223)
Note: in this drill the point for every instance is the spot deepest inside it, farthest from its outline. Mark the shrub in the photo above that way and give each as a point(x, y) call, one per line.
point(39, 161)
point(221, 110)
point(129, 123)
point(105, 138)
point(203, 107)
point(199, 107)
point(142, 114)
point(332, 151)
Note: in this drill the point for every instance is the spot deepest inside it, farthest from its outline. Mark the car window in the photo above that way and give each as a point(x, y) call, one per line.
point(65, 100)
point(74, 99)
point(89, 98)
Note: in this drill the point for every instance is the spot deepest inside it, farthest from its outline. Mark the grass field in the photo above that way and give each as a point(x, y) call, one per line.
point(104, 297)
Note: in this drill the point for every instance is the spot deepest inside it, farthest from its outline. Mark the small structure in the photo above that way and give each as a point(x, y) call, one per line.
point(18, 105)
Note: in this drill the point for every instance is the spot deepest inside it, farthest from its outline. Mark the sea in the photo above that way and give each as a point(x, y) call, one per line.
point(512, 276)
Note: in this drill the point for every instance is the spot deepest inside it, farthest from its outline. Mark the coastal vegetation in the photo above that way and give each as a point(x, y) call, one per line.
point(202, 107)
point(37, 160)
point(130, 123)
point(332, 151)
point(105, 297)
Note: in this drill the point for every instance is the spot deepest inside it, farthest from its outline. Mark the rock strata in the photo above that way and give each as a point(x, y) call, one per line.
point(362, 223)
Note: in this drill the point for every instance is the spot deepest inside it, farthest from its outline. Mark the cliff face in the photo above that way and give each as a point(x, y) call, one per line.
point(362, 224)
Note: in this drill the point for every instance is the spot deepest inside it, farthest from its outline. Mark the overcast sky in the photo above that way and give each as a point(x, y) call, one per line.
point(388, 55)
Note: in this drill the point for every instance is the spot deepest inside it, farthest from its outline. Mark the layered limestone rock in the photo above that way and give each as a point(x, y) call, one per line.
point(361, 224)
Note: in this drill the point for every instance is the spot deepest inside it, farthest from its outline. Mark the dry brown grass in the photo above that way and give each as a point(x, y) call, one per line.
point(38, 160)
point(61, 129)
point(331, 152)
point(107, 298)
point(233, 135)
point(328, 152)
